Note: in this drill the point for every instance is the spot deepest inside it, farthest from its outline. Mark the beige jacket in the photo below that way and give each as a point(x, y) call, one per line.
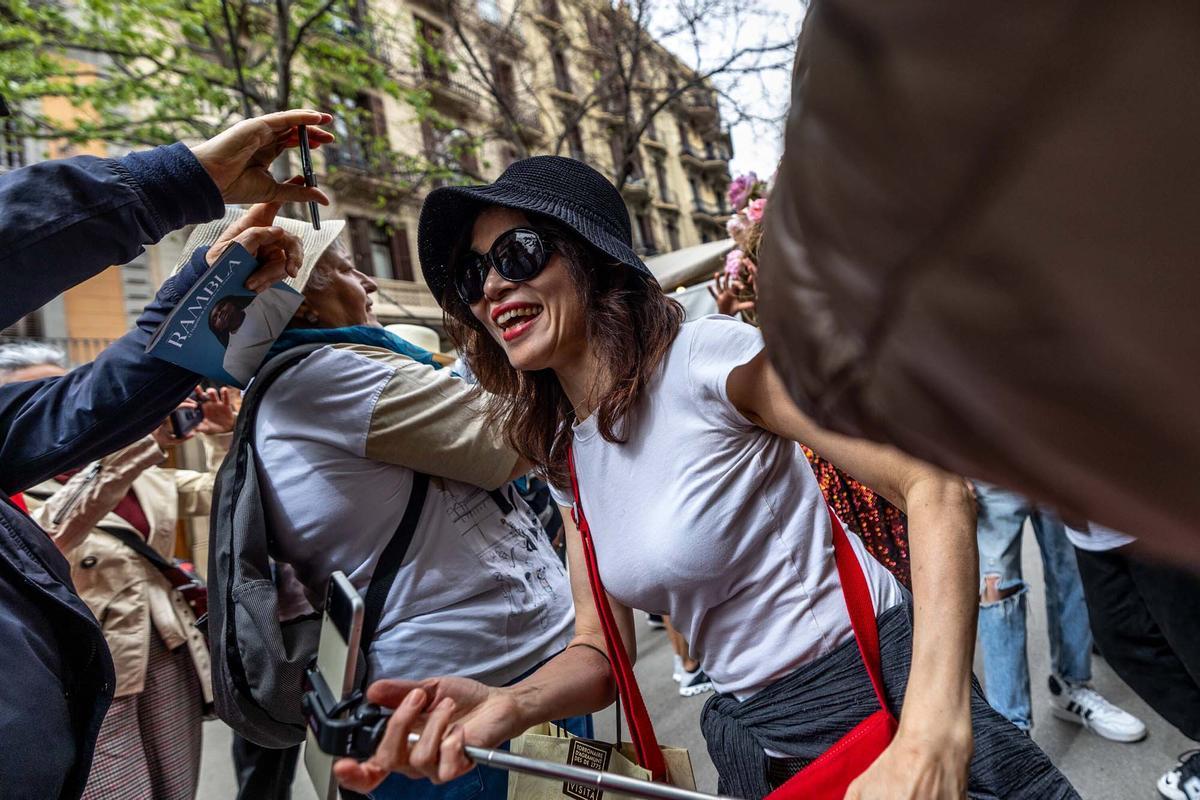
point(128, 595)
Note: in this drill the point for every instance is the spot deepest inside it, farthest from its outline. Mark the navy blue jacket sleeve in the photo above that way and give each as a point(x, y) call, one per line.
point(54, 424)
point(61, 222)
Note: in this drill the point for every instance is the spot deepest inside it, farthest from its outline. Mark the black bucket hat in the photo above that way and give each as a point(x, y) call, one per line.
point(562, 189)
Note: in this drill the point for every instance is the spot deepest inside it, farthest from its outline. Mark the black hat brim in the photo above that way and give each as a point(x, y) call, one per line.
point(448, 211)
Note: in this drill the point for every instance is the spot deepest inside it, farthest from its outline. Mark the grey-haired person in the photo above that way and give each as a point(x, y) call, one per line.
point(344, 439)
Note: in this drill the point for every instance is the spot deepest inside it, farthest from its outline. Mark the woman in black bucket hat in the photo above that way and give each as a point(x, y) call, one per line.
point(701, 505)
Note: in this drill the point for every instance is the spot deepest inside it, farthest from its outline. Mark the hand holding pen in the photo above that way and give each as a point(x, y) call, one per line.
point(309, 178)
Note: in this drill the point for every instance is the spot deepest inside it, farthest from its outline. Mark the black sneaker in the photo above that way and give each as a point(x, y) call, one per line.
point(655, 621)
point(1183, 782)
point(694, 683)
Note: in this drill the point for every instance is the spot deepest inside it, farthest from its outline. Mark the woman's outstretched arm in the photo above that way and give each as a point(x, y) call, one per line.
point(931, 752)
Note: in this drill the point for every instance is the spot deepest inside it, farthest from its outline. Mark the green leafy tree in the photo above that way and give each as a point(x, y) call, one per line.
point(156, 71)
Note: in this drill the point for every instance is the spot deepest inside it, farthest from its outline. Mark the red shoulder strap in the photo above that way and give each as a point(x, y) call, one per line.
point(858, 602)
point(641, 729)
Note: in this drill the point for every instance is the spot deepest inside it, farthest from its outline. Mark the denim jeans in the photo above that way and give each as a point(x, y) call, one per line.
point(1002, 515)
point(481, 783)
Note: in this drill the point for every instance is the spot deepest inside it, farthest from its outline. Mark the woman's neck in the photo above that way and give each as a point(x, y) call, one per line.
point(584, 380)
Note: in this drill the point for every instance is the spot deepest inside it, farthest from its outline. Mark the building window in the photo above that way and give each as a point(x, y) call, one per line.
point(356, 121)
point(664, 188)
point(695, 189)
point(349, 19)
point(432, 40)
point(380, 249)
point(12, 146)
point(685, 142)
point(551, 10)
point(673, 234)
point(506, 87)
point(489, 11)
point(646, 229)
point(562, 74)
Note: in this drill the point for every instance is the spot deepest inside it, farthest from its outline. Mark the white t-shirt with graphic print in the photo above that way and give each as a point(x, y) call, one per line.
point(705, 516)
point(481, 593)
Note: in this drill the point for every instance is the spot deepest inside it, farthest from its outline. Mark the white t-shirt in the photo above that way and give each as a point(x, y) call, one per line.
point(481, 593)
point(704, 516)
point(1097, 538)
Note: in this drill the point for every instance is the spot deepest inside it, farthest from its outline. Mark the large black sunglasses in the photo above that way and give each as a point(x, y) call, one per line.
point(518, 255)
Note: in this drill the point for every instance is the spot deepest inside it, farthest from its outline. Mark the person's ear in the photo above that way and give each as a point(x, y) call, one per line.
point(307, 314)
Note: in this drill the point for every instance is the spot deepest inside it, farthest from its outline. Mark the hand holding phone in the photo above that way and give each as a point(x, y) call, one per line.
point(186, 417)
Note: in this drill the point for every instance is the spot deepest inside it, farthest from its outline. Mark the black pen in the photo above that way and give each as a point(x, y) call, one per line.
point(309, 178)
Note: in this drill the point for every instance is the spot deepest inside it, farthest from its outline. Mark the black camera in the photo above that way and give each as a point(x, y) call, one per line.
point(351, 727)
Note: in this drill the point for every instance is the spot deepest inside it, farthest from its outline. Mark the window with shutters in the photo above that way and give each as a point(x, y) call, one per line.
point(562, 73)
point(506, 86)
point(380, 249)
point(673, 234)
point(361, 130)
point(433, 39)
point(12, 145)
point(664, 187)
point(646, 229)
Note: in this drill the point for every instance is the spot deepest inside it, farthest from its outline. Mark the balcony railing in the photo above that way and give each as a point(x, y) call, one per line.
point(453, 91)
point(715, 152)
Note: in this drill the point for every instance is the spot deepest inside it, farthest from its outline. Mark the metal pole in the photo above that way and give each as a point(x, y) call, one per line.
point(605, 781)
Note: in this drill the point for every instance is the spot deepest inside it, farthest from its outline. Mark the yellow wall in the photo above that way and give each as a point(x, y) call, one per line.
point(94, 309)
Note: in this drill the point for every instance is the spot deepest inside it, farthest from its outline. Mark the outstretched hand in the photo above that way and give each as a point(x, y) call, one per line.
point(239, 159)
point(724, 290)
point(219, 414)
point(449, 713)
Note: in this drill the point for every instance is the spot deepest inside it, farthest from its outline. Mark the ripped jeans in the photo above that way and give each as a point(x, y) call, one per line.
point(1002, 516)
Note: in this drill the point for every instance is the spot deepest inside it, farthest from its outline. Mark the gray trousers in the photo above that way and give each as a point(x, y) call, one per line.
point(808, 711)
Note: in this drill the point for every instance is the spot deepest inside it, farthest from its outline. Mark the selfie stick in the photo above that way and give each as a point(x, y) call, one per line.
point(605, 781)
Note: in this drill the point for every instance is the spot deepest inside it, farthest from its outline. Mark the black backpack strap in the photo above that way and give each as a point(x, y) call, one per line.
point(391, 558)
point(266, 375)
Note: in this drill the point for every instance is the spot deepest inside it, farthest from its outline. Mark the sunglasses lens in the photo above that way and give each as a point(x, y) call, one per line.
point(470, 279)
point(520, 256)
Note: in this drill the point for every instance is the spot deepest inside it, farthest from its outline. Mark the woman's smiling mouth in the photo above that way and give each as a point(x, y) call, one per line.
point(514, 319)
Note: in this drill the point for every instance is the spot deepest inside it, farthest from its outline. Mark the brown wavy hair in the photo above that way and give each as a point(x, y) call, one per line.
point(630, 325)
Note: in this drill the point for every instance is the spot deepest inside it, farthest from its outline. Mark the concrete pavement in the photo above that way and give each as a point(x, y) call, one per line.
point(1099, 769)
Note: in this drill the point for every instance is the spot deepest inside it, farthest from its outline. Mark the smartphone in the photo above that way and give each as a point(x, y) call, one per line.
point(184, 420)
point(337, 660)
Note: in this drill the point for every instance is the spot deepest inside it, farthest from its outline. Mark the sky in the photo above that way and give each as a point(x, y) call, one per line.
point(757, 146)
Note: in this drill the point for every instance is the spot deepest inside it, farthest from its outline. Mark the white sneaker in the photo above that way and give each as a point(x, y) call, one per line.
point(1183, 782)
point(694, 683)
point(1083, 705)
point(677, 670)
